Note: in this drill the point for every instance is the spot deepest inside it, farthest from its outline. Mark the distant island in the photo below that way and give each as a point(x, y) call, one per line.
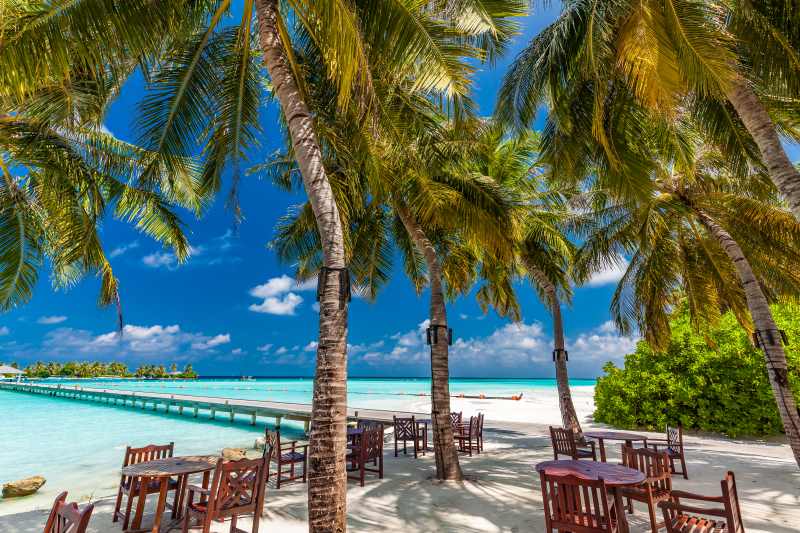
point(97, 369)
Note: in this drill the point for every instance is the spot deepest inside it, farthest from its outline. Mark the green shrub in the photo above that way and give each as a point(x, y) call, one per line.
point(715, 382)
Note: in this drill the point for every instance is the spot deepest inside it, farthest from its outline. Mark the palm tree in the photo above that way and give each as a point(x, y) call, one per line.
point(444, 222)
point(734, 65)
point(722, 242)
point(544, 252)
point(205, 84)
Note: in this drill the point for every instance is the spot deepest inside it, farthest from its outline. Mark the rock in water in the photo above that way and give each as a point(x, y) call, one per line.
point(233, 454)
point(23, 487)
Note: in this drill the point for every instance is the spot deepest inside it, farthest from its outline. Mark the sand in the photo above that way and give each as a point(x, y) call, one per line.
point(504, 495)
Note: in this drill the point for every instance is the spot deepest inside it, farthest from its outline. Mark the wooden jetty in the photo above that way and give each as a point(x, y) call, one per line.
point(215, 406)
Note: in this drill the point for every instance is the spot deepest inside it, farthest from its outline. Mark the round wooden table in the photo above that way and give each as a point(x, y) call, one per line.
point(161, 470)
point(601, 436)
point(614, 476)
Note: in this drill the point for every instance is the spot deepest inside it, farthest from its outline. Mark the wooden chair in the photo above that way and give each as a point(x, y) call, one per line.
point(679, 518)
point(480, 432)
point(673, 445)
point(563, 441)
point(67, 517)
point(129, 485)
point(367, 450)
point(406, 429)
point(286, 453)
point(237, 488)
point(577, 505)
point(657, 485)
point(468, 435)
point(456, 419)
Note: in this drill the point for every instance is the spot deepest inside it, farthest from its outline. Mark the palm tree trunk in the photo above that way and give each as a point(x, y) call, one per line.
point(777, 369)
point(758, 122)
point(568, 415)
point(327, 478)
point(447, 465)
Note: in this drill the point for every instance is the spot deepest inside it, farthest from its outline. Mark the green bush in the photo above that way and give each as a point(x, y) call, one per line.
point(714, 382)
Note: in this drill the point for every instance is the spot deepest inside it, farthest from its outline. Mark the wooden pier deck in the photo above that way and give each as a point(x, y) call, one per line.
point(213, 405)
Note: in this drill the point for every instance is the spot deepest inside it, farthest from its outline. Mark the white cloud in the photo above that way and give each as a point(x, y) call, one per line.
point(237, 351)
point(315, 306)
point(609, 275)
point(216, 340)
point(264, 348)
point(311, 346)
point(55, 319)
point(601, 345)
point(279, 295)
point(4, 330)
point(280, 351)
point(154, 341)
point(119, 250)
point(161, 259)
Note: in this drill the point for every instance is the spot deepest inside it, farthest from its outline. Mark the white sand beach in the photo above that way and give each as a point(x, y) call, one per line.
point(503, 494)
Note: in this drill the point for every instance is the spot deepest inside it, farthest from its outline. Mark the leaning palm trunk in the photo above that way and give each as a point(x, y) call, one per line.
point(327, 480)
point(568, 415)
point(447, 465)
point(777, 369)
point(762, 129)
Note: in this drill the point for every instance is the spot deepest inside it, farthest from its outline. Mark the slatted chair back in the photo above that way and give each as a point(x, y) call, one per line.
point(151, 452)
point(67, 517)
point(456, 418)
point(675, 437)
point(371, 443)
point(272, 441)
point(236, 488)
point(563, 441)
point(577, 505)
point(731, 501)
point(654, 465)
point(405, 428)
point(368, 424)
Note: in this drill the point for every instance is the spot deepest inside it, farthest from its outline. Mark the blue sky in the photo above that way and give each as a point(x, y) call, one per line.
point(233, 308)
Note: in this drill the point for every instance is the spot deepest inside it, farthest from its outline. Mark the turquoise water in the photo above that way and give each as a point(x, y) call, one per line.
point(78, 446)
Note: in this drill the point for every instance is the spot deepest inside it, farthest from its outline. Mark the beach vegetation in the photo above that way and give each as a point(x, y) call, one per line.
point(96, 369)
point(714, 380)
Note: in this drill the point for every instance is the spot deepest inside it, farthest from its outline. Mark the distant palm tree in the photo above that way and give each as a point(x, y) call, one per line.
point(706, 235)
point(544, 251)
point(734, 65)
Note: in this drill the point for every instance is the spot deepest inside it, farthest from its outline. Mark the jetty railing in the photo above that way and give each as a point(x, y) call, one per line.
point(213, 405)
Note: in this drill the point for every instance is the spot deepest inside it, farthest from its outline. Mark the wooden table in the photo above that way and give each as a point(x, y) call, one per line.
point(614, 476)
point(601, 436)
point(162, 470)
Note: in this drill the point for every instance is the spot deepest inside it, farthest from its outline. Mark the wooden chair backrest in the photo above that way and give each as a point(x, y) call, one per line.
point(474, 425)
point(67, 517)
point(371, 443)
point(731, 501)
point(405, 428)
point(368, 424)
point(480, 423)
point(236, 487)
point(151, 452)
point(674, 436)
point(456, 418)
point(653, 464)
point(574, 504)
point(563, 441)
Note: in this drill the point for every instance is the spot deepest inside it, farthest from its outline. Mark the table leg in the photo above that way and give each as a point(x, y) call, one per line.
point(602, 450)
point(137, 517)
point(162, 502)
point(622, 519)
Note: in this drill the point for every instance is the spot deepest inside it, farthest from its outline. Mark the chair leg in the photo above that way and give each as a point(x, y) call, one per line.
point(683, 467)
point(278, 476)
point(128, 507)
point(630, 506)
point(233, 523)
point(305, 466)
point(185, 528)
point(395, 446)
point(651, 508)
point(118, 504)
